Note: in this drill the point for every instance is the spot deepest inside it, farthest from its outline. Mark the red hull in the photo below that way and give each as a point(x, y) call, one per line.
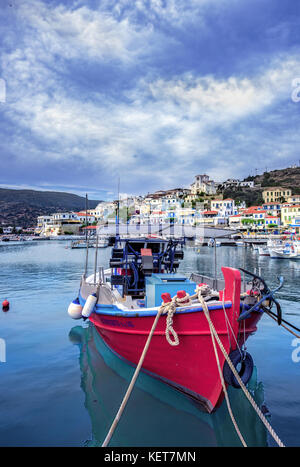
point(191, 366)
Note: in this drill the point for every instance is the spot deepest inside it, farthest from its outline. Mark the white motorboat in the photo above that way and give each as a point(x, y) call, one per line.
point(103, 242)
point(240, 243)
point(286, 252)
point(76, 244)
point(263, 251)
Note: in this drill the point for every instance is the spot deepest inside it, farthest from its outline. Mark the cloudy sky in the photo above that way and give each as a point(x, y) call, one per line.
point(151, 91)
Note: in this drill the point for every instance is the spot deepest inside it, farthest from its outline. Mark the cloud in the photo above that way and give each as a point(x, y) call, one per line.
point(88, 99)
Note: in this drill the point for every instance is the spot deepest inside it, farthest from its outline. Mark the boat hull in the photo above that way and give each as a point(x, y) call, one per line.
point(191, 366)
point(280, 254)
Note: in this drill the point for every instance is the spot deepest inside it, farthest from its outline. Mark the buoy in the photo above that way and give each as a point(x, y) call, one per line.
point(75, 309)
point(89, 305)
point(5, 305)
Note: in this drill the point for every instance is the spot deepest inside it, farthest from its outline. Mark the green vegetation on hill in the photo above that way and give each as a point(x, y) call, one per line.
point(46, 199)
point(22, 207)
point(285, 178)
point(250, 196)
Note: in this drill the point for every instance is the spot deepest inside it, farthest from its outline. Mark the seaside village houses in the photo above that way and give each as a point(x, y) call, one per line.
point(200, 203)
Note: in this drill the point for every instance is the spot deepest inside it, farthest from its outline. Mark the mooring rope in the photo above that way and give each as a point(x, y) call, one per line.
point(224, 388)
point(132, 382)
point(215, 335)
point(170, 308)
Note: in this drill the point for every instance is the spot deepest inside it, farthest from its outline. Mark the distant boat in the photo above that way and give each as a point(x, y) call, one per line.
point(263, 251)
point(212, 241)
point(103, 242)
point(286, 252)
point(240, 243)
point(76, 244)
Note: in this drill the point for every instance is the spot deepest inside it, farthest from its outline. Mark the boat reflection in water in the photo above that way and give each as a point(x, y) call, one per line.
point(157, 415)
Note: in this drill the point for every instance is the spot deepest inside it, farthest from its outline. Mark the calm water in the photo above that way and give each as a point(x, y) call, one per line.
point(60, 386)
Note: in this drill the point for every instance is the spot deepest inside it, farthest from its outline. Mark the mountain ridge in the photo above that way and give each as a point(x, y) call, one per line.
point(21, 207)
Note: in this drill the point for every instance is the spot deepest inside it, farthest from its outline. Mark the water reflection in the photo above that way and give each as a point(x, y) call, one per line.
point(156, 415)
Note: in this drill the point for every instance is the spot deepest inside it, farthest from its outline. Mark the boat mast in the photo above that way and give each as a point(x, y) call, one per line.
point(86, 209)
point(118, 209)
point(86, 238)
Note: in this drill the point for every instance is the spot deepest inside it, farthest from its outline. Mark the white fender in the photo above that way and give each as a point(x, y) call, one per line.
point(75, 309)
point(89, 305)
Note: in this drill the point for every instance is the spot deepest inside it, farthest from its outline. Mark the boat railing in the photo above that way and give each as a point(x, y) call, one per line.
point(217, 284)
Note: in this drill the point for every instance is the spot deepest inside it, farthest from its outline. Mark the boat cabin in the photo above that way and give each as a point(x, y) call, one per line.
point(133, 261)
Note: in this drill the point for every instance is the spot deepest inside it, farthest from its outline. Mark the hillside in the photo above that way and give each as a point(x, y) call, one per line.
point(285, 178)
point(22, 207)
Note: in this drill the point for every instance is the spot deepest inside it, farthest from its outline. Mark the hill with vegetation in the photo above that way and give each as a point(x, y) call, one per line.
point(22, 207)
point(285, 178)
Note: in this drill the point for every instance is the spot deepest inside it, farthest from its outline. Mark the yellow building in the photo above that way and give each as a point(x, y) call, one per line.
point(289, 214)
point(276, 194)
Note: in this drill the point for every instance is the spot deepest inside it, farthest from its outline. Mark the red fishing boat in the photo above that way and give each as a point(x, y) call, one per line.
point(123, 310)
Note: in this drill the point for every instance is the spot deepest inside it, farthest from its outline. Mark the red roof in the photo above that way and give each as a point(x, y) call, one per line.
point(209, 212)
point(84, 214)
point(254, 210)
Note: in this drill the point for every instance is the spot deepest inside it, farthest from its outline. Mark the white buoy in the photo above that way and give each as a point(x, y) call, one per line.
point(89, 305)
point(75, 309)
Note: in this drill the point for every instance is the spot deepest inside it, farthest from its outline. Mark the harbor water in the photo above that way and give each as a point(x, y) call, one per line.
point(61, 386)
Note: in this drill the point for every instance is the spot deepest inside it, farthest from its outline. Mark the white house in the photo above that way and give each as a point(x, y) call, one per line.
point(82, 217)
point(225, 207)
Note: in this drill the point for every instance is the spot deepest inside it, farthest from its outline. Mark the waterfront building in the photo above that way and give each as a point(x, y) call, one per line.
point(225, 207)
point(43, 222)
point(208, 217)
point(273, 209)
point(234, 221)
point(83, 217)
point(97, 212)
point(272, 220)
point(289, 214)
point(186, 216)
point(8, 230)
point(64, 216)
